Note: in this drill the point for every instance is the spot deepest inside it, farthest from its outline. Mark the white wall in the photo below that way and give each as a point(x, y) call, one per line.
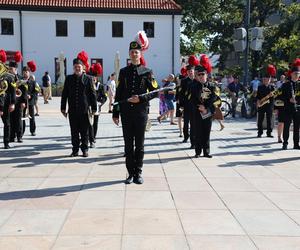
point(41, 44)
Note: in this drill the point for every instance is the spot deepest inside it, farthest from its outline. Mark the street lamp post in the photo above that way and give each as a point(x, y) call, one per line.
point(246, 52)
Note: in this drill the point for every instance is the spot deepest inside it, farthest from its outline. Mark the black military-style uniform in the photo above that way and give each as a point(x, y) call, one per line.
point(202, 127)
point(291, 111)
point(33, 93)
point(263, 91)
point(184, 102)
point(8, 99)
point(16, 116)
point(80, 94)
point(134, 80)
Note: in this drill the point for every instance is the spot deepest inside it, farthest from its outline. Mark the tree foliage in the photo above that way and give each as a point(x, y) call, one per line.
point(209, 25)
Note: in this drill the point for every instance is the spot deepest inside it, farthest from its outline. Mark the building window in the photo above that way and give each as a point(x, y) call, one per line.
point(89, 28)
point(149, 28)
point(117, 29)
point(7, 26)
point(61, 28)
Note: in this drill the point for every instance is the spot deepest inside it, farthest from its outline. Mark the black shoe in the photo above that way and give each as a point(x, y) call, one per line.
point(271, 136)
point(279, 140)
point(20, 140)
point(138, 179)
point(85, 154)
point(129, 179)
point(258, 136)
point(37, 114)
point(185, 140)
point(296, 147)
point(74, 154)
point(192, 147)
point(92, 145)
point(33, 134)
point(284, 147)
point(109, 111)
point(197, 156)
point(180, 135)
point(207, 155)
point(6, 146)
point(12, 140)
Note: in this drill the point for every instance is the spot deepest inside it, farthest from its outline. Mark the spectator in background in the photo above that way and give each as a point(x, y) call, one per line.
point(46, 87)
point(111, 91)
point(234, 87)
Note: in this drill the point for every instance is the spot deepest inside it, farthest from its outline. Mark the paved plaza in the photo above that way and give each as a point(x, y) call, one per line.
point(246, 197)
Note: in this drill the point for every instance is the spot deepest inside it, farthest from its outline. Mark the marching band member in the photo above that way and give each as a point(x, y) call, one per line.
point(134, 80)
point(80, 94)
point(203, 98)
point(265, 101)
point(10, 98)
point(291, 98)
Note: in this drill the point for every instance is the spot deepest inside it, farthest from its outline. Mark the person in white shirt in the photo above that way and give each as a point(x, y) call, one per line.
point(111, 91)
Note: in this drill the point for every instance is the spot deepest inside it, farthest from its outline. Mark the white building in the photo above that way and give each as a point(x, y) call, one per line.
point(42, 29)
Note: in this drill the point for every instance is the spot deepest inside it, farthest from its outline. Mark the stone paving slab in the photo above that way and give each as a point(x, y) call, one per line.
point(246, 197)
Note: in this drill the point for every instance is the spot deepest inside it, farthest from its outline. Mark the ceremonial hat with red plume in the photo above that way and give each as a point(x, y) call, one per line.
point(269, 71)
point(17, 58)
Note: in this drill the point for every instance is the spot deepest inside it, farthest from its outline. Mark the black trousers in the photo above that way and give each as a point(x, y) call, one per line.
point(289, 117)
point(6, 124)
point(186, 122)
point(202, 134)
point(266, 109)
point(192, 127)
point(134, 137)
point(79, 124)
point(93, 130)
point(32, 125)
point(16, 123)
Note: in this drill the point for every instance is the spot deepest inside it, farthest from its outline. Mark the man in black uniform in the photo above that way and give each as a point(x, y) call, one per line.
point(33, 91)
point(202, 98)
point(134, 80)
point(80, 93)
point(265, 95)
point(291, 98)
point(185, 103)
point(9, 101)
point(16, 115)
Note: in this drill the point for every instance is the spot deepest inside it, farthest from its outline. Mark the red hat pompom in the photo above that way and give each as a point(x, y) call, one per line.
point(183, 71)
point(92, 68)
point(288, 73)
point(271, 70)
point(296, 63)
point(193, 60)
point(83, 56)
point(32, 66)
point(98, 69)
point(142, 39)
point(3, 56)
point(143, 61)
point(205, 62)
point(18, 57)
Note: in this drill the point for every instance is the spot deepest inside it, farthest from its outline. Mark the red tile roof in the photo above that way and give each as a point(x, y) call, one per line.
point(134, 5)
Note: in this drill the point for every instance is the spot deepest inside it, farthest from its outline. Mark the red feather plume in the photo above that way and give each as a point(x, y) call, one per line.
point(32, 66)
point(143, 61)
point(87, 66)
point(296, 63)
point(288, 73)
point(183, 71)
point(193, 60)
point(83, 56)
point(18, 57)
point(271, 70)
point(98, 69)
point(3, 56)
point(205, 62)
